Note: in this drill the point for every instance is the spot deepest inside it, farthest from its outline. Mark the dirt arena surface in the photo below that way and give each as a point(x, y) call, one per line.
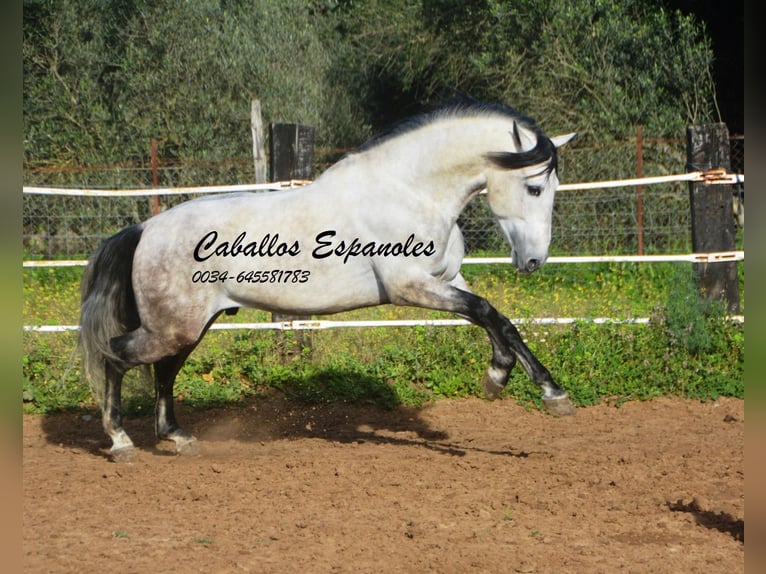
point(459, 486)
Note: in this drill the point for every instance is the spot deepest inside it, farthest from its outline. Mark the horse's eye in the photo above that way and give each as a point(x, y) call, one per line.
point(534, 190)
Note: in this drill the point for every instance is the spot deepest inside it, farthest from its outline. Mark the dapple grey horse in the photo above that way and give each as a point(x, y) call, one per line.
point(379, 226)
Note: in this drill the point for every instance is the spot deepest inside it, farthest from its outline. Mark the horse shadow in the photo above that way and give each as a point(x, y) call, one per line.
point(721, 521)
point(367, 412)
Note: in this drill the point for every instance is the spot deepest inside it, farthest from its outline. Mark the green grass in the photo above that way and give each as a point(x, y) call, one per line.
point(688, 349)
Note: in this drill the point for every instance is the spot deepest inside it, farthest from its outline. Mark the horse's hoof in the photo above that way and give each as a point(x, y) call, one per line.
point(123, 455)
point(561, 407)
point(491, 389)
point(188, 448)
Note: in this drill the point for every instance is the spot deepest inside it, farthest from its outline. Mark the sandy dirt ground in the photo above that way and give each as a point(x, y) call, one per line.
point(459, 486)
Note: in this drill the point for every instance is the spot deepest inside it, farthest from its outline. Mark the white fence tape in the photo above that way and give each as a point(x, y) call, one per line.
point(718, 177)
point(274, 186)
point(711, 177)
point(316, 325)
point(716, 257)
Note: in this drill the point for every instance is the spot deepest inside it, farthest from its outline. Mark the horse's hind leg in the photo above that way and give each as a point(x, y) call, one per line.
point(142, 347)
point(122, 449)
point(165, 424)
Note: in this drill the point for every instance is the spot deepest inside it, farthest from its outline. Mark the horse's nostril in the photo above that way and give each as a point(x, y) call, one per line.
point(533, 264)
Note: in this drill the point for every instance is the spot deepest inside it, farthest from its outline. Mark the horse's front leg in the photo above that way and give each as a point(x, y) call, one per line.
point(165, 424)
point(496, 377)
point(507, 345)
point(506, 339)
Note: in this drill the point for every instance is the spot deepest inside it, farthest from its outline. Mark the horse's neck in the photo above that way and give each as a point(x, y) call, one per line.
point(437, 164)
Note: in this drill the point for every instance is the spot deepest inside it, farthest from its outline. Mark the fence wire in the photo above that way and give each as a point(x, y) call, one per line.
point(594, 222)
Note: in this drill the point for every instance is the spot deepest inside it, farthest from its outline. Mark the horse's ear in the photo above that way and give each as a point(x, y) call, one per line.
point(515, 136)
point(523, 140)
point(559, 141)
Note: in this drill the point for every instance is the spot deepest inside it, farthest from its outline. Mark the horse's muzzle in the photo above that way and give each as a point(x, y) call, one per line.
point(527, 266)
point(530, 265)
point(533, 265)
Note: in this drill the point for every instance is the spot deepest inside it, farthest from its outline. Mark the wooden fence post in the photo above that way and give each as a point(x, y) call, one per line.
point(259, 150)
point(707, 147)
point(155, 201)
point(291, 148)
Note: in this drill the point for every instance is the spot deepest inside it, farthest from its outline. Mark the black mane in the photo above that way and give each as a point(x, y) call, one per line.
point(544, 151)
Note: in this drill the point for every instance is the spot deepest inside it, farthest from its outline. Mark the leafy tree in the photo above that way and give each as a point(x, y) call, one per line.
point(101, 81)
point(193, 73)
point(70, 57)
point(598, 66)
point(102, 78)
point(613, 64)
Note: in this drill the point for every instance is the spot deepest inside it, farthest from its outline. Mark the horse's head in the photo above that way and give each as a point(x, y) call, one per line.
point(521, 185)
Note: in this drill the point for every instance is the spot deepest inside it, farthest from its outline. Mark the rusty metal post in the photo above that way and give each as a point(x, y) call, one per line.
point(640, 188)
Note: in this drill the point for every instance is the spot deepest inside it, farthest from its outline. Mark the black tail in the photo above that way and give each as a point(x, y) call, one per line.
point(108, 305)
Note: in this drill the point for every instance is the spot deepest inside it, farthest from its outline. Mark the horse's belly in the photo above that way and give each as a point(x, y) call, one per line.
point(303, 290)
